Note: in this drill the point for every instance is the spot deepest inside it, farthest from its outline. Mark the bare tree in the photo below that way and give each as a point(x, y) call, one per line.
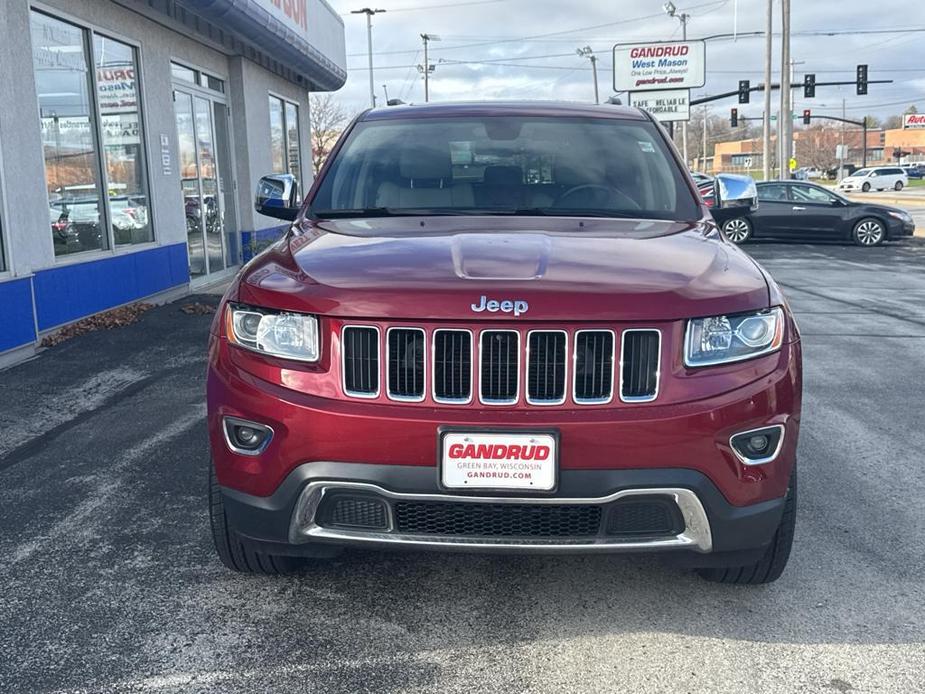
point(328, 119)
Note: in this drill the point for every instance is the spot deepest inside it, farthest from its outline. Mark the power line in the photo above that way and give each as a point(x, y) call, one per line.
point(552, 33)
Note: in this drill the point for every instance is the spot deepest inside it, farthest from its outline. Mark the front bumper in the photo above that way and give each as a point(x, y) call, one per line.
point(293, 521)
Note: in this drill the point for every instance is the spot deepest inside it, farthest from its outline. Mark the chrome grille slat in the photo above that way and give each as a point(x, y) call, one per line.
point(499, 382)
point(361, 361)
point(406, 375)
point(546, 367)
point(640, 355)
point(593, 365)
point(452, 368)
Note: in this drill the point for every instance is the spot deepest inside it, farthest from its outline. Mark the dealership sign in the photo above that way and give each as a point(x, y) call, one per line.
point(914, 120)
point(665, 105)
point(660, 65)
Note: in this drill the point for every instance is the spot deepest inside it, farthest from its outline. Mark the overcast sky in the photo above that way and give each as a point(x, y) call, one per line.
point(525, 49)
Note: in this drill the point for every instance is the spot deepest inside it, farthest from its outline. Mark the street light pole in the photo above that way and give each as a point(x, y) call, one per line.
point(682, 17)
point(766, 120)
point(586, 52)
point(785, 126)
point(369, 12)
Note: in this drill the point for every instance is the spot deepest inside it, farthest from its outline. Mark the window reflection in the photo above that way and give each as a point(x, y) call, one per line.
point(68, 141)
point(277, 136)
point(284, 137)
point(123, 150)
point(90, 145)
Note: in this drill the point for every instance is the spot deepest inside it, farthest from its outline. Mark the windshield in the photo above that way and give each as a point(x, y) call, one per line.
point(595, 167)
point(861, 173)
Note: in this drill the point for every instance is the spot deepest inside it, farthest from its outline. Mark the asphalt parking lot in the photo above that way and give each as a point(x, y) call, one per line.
point(110, 583)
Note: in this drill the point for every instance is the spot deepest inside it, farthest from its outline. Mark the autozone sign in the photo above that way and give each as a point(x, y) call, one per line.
point(660, 65)
point(914, 120)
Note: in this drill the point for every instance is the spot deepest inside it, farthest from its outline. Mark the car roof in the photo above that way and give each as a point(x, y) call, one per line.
point(503, 108)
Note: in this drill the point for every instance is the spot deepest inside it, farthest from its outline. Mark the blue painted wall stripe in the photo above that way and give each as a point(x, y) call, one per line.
point(18, 321)
point(69, 292)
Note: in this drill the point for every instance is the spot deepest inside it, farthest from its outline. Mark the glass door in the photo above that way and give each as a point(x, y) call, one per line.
point(204, 161)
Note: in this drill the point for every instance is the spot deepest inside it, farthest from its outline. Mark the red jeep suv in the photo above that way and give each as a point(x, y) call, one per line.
point(505, 327)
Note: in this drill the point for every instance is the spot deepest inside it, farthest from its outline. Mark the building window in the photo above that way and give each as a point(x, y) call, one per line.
point(285, 155)
point(92, 137)
point(181, 73)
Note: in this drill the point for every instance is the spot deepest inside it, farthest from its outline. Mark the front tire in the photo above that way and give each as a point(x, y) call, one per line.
point(238, 553)
point(738, 230)
point(866, 187)
point(770, 567)
point(868, 232)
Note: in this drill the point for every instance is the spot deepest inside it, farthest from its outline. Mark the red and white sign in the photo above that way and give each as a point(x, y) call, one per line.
point(292, 13)
point(499, 461)
point(914, 120)
point(641, 67)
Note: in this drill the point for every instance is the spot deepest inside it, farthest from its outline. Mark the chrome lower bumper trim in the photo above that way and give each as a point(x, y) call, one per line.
point(696, 535)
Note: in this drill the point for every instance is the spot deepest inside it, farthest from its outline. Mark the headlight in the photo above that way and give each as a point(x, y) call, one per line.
point(724, 339)
point(276, 333)
point(904, 216)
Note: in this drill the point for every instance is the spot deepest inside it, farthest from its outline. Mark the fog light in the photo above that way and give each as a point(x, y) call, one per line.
point(246, 438)
point(758, 446)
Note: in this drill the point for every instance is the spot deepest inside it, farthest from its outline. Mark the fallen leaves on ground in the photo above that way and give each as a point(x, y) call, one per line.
point(198, 309)
point(116, 318)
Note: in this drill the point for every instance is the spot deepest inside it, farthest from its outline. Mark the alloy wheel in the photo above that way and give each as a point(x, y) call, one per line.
point(736, 230)
point(869, 232)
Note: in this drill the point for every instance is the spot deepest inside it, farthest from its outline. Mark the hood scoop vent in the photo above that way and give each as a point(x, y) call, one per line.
point(499, 256)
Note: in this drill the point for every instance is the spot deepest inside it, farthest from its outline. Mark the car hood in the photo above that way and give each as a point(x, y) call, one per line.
point(565, 269)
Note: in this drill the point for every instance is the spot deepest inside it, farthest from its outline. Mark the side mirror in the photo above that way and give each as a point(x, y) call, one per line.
point(734, 191)
point(278, 196)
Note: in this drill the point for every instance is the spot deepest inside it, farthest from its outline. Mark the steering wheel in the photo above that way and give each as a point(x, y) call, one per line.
point(611, 195)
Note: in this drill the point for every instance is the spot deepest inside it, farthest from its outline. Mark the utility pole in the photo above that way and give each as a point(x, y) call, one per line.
point(586, 52)
point(428, 68)
point(682, 17)
point(369, 12)
point(766, 120)
point(785, 124)
point(703, 163)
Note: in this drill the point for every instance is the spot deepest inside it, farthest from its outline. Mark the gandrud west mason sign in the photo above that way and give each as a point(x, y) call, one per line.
point(658, 65)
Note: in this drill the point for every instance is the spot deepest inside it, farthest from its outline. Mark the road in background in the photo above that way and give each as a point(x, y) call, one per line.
point(109, 582)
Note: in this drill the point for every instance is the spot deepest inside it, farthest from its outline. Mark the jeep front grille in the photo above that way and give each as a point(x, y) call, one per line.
point(451, 365)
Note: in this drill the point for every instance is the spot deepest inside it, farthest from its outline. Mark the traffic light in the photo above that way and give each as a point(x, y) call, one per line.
point(807, 115)
point(862, 80)
point(809, 86)
point(734, 117)
point(743, 91)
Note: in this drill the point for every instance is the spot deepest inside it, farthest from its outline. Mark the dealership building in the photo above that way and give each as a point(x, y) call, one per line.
point(132, 136)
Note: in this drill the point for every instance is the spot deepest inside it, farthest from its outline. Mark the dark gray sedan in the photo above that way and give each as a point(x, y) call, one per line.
point(796, 210)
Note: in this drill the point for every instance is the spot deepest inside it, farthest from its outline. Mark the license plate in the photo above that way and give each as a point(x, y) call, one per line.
point(499, 461)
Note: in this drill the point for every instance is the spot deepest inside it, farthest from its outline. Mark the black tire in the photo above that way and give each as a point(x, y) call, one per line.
point(770, 567)
point(866, 187)
point(898, 186)
point(238, 553)
point(738, 230)
point(868, 232)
